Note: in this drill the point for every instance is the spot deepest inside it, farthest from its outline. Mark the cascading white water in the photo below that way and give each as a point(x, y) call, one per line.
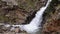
point(33, 27)
point(36, 21)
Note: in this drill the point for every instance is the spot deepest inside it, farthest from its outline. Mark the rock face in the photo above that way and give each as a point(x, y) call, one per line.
point(19, 11)
point(52, 20)
point(23, 11)
point(10, 2)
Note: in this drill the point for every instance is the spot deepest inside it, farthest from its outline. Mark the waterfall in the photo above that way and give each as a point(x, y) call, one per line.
point(33, 26)
point(36, 21)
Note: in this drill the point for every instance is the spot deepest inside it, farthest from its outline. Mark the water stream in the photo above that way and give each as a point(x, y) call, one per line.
point(33, 26)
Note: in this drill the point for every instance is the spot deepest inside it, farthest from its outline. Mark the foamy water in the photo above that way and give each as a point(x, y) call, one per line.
point(33, 27)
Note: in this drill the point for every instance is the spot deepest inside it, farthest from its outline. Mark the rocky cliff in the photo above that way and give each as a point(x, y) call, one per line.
point(52, 18)
point(23, 11)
